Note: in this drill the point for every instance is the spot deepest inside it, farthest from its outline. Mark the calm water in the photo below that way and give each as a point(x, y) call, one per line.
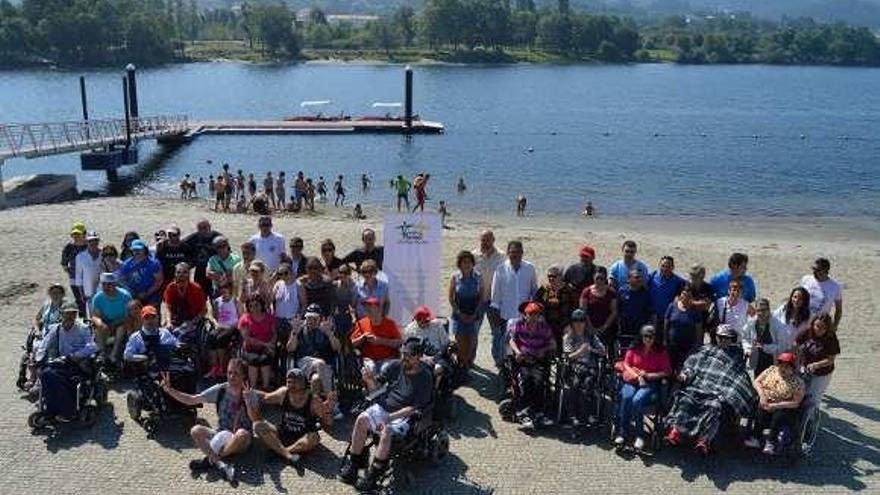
point(636, 140)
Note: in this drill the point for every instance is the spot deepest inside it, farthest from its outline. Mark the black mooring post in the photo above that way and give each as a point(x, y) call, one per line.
point(125, 95)
point(132, 90)
point(408, 113)
point(85, 104)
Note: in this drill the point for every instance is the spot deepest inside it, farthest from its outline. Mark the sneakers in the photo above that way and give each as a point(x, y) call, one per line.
point(769, 448)
point(526, 423)
point(373, 476)
point(752, 443)
point(673, 437)
point(619, 441)
point(348, 472)
point(546, 420)
point(591, 420)
point(639, 444)
point(226, 470)
point(197, 465)
point(576, 422)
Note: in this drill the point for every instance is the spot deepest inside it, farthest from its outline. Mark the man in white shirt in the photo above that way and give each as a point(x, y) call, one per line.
point(488, 259)
point(825, 292)
point(514, 282)
point(88, 268)
point(270, 246)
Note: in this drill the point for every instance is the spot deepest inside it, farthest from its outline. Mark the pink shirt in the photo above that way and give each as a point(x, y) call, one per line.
point(649, 362)
point(262, 330)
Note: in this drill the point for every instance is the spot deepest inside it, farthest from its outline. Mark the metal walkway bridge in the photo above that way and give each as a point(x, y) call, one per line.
point(35, 140)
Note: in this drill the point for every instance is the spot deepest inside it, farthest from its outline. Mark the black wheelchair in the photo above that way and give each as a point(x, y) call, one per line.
point(148, 397)
point(581, 391)
point(426, 440)
point(27, 361)
point(530, 384)
point(90, 392)
point(193, 337)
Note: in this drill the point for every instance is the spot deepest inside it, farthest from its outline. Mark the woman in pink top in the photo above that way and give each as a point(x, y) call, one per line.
point(643, 368)
point(257, 327)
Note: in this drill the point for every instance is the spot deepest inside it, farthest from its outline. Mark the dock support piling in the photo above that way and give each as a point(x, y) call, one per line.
point(127, 106)
point(85, 105)
point(408, 113)
point(132, 90)
point(2, 191)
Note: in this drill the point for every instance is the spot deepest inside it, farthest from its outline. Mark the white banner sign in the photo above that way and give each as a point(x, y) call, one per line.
point(413, 251)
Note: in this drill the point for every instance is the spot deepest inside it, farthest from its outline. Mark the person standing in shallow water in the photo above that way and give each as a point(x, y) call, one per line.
point(339, 188)
point(521, 203)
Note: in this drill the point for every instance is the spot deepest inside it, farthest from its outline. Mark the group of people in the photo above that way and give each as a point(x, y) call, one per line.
point(290, 314)
point(242, 193)
point(656, 323)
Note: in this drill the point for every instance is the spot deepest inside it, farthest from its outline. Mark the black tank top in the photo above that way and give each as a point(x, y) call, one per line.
point(297, 420)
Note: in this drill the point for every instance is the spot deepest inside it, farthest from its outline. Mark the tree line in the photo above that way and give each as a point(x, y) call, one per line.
point(101, 32)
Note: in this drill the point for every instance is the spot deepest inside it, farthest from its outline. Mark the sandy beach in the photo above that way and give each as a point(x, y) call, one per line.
point(780, 251)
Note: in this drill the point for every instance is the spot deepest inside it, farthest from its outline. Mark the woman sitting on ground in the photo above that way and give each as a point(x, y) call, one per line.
point(644, 367)
point(780, 392)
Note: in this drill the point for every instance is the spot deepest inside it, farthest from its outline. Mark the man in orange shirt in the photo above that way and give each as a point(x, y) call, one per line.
point(377, 337)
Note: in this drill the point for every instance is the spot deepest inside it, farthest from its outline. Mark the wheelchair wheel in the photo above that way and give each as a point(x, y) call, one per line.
point(439, 446)
point(151, 426)
point(88, 415)
point(38, 420)
point(507, 410)
point(809, 432)
point(133, 401)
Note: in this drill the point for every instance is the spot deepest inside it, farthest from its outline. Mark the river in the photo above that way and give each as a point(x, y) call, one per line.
point(633, 139)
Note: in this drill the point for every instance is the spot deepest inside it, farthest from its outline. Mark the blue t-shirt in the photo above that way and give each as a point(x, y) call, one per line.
point(721, 280)
point(663, 291)
point(113, 310)
point(139, 277)
point(620, 272)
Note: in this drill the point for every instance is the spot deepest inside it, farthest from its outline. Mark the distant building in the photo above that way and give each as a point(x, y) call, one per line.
point(304, 18)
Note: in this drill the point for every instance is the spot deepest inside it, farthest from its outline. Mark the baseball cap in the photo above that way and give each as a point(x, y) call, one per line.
point(530, 308)
point(69, 307)
point(587, 250)
point(174, 229)
point(648, 330)
point(313, 310)
point(138, 244)
point(578, 315)
point(78, 228)
point(108, 278)
point(93, 236)
point(149, 311)
point(220, 241)
point(423, 314)
point(372, 301)
point(725, 330)
point(786, 357)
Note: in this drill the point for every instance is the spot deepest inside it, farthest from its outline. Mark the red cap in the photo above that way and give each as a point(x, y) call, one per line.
point(372, 301)
point(423, 314)
point(149, 311)
point(587, 250)
point(533, 308)
point(786, 357)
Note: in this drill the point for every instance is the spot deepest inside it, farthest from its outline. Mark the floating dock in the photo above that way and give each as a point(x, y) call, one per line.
point(341, 126)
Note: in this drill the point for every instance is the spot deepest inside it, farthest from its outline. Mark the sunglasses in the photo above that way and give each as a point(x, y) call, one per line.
point(283, 274)
point(296, 246)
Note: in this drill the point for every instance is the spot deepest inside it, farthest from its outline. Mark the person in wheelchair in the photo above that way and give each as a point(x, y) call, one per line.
point(184, 304)
point(408, 392)
point(109, 315)
point(780, 394)
point(644, 368)
point(377, 337)
point(434, 338)
point(533, 346)
point(48, 315)
point(582, 349)
point(312, 347)
point(301, 410)
point(151, 342)
point(65, 355)
point(715, 387)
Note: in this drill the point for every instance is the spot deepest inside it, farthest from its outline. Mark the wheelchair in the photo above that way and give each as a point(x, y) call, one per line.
point(425, 440)
point(512, 409)
point(148, 396)
point(193, 337)
point(592, 392)
point(27, 361)
point(797, 440)
point(90, 386)
point(654, 414)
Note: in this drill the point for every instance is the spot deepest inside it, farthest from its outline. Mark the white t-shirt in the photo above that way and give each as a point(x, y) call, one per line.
point(286, 299)
point(823, 294)
point(269, 249)
point(227, 312)
point(736, 315)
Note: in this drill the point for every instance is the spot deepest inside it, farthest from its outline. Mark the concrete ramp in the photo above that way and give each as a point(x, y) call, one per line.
point(36, 189)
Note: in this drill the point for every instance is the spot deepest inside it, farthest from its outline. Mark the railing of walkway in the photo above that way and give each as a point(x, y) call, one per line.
point(32, 140)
